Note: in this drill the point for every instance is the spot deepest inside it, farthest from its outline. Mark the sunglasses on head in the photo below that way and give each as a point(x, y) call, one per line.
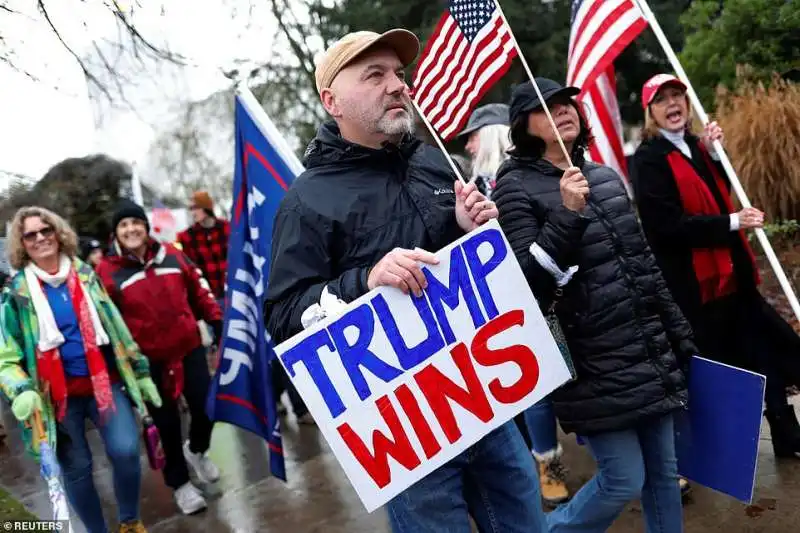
point(31, 236)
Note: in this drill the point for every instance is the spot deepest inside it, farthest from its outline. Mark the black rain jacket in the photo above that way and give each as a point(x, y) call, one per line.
point(351, 207)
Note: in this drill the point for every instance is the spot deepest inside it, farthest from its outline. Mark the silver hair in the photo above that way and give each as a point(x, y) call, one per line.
point(493, 145)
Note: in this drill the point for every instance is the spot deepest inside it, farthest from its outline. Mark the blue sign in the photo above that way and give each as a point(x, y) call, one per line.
point(717, 440)
point(241, 392)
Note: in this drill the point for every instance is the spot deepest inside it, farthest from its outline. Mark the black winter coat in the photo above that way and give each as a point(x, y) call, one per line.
point(672, 234)
point(352, 206)
point(741, 329)
point(621, 325)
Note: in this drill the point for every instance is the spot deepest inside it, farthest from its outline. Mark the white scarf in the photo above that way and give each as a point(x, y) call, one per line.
point(50, 336)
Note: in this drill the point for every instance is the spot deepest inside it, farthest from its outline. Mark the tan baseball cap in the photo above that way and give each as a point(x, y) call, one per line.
point(349, 47)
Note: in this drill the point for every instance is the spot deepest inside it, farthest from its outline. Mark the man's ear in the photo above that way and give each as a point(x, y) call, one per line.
point(329, 102)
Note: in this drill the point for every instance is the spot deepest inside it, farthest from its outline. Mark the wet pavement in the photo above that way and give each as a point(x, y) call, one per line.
point(318, 496)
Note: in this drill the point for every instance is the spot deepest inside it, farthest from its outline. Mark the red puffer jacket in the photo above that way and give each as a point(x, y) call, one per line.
point(161, 300)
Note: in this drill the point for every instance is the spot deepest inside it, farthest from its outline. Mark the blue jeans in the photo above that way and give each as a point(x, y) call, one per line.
point(631, 464)
point(121, 438)
point(494, 481)
point(541, 421)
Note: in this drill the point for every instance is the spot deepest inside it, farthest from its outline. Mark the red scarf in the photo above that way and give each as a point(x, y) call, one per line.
point(51, 370)
point(713, 267)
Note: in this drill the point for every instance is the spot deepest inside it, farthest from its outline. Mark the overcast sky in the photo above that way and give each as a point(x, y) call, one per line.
point(42, 122)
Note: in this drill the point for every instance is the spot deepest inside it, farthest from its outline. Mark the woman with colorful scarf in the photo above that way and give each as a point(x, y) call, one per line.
point(700, 243)
point(66, 353)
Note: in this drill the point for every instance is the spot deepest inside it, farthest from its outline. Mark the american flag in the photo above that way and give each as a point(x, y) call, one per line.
point(600, 31)
point(470, 49)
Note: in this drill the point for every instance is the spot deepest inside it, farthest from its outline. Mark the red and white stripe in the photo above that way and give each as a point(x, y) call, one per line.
point(602, 109)
point(454, 74)
point(601, 30)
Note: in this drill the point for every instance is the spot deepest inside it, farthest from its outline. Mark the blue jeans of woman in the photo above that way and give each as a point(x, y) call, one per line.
point(120, 435)
point(637, 463)
point(494, 482)
point(540, 419)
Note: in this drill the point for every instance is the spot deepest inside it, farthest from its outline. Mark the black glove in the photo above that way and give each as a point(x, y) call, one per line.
point(686, 350)
point(216, 326)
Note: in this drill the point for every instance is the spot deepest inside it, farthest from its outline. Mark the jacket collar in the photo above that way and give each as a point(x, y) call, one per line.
point(155, 254)
point(18, 287)
point(329, 147)
point(664, 146)
point(660, 147)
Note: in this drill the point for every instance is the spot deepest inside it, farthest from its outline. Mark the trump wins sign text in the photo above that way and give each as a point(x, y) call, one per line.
point(400, 385)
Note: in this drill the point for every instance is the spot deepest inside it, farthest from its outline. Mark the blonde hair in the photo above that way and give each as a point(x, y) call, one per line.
point(65, 235)
point(651, 127)
point(493, 145)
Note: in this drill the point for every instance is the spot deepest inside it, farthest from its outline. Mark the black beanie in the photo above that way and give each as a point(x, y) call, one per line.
point(128, 209)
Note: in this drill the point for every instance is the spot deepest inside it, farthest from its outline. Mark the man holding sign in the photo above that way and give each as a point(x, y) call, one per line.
point(372, 205)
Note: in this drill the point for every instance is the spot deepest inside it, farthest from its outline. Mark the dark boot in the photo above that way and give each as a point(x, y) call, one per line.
point(785, 432)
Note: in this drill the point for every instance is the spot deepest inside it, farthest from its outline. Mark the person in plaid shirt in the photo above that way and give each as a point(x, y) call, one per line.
point(206, 242)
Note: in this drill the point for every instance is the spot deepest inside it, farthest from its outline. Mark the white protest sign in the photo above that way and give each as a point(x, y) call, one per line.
point(400, 385)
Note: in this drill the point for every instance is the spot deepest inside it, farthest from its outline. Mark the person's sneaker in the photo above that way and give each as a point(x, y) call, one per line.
point(552, 479)
point(132, 527)
point(306, 420)
point(189, 499)
point(204, 468)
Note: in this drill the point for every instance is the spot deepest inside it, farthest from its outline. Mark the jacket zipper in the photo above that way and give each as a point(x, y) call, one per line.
point(601, 215)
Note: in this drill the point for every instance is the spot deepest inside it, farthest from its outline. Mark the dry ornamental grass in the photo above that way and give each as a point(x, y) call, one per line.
point(762, 138)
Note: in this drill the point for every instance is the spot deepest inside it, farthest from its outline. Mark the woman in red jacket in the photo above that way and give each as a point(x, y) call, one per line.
point(159, 293)
point(700, 244)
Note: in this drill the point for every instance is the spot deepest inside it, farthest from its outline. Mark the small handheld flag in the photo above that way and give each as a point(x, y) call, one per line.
point(470, 49)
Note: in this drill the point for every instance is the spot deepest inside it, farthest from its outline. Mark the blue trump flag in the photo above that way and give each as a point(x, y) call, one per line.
point(241, 392)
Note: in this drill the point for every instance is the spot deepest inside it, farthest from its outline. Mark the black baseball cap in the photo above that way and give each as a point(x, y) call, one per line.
point(524, 98)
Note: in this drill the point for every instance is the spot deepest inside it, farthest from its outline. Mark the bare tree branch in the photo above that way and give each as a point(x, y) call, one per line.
point(16, 67)
point(119, 80)
point(110, 69)
point(317, 18)
point(301, 54)
point(86, 72)
point(139, 38)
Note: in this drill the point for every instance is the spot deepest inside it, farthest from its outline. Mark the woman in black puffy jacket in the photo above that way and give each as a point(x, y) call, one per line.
point(579, 243)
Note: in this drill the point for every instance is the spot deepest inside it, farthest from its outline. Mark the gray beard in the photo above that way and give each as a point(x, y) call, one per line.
point(395, 126)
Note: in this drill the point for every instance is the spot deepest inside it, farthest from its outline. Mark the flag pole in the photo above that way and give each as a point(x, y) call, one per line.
point(136, 185)
point(723, 156)
point(535, 85)
point(438, 141)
